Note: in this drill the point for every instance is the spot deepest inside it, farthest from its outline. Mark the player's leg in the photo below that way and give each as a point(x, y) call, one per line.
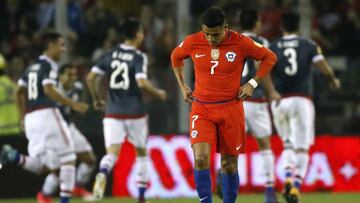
point(86, 163)
point(49, 188)
point(282, 114)
point(114, 134)
point(203, 137)
point(202, 176)
point(304, 138)
point(229, 177)
point(231, 142)
point(258, 118)
point(142, 178)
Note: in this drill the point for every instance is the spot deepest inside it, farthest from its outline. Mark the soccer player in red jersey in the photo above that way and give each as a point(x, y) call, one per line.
point(217, 115)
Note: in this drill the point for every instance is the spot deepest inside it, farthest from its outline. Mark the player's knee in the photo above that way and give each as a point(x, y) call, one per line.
point(228, 166)
point(202, 162)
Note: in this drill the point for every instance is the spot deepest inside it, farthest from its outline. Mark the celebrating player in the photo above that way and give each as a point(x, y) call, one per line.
point(126, 68)
point(50, 144)
point(217, 117)
point(70, 87)
point(294, 116)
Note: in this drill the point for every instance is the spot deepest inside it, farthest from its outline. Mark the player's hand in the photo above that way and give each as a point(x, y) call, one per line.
point(80, 107)
point(162, 95)
point(99, 105)
point(275, 97)
point(246, 90)
point(334, 84)
point(187, 94)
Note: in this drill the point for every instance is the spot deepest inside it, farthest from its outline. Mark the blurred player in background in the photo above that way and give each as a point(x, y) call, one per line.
point(257, 116)
point(70, 87)
point(217, 117)
point(126, 69)
point(294, 116)
point(50, 144)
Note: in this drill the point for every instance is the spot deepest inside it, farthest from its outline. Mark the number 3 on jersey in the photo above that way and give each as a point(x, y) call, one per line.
point(214, 65)
point(121, 68)
point(290, 53)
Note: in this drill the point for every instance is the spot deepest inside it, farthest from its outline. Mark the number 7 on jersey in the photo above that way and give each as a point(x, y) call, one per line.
point(215, 64)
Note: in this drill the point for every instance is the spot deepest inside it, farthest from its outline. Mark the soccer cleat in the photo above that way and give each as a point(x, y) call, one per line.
point(8, 155)
point(83, 193)
point(41, 198)
point(291, 193)
point(99, 186)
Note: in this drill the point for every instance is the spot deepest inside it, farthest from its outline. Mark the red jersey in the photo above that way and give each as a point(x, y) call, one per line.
point(218, 69)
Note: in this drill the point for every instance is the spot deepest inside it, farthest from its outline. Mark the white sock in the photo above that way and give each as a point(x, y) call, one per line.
point(107, 163)
point(142, 171)
point(32, 164)
point(67, 180)
point(83, 173)
point(269, 166)
point(50, 185)
point(288, 156)
point(302, 162)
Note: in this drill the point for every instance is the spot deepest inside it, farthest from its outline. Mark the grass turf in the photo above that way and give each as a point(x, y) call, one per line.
point(242, 198)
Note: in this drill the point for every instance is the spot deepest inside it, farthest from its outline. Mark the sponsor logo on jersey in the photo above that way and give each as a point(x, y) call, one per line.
point(230, 56)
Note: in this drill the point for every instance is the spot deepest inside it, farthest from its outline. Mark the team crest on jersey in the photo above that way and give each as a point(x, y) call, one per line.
point(230, 56)
point(215, 54)
point(194, 133)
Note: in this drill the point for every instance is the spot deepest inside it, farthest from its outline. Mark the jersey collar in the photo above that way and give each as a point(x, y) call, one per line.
point(249, 34)
point(292, 36)
point(53, 64)
point(127, 47)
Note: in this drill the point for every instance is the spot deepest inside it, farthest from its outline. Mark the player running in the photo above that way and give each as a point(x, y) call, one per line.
point(126, 69)
point(217, 116)
point(70, 87)
point(50, 144)
point(294, 116)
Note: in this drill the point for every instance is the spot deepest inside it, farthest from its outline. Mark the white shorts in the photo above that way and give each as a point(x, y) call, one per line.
point(257, 118)
point(49, 137)
point(80, 142)
point(294, 120)
point(116, 130)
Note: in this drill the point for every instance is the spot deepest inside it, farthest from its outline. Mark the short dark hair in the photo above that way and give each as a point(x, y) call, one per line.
point(48, 38)
point(248, 18)
point(129, 27)
point(290, 21)
point(65, 67)
point(213, 17)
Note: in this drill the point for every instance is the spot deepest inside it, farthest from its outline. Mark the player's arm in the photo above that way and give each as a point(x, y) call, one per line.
point(94, 81)
point(20, 95)
point(267, 60)
point(147, 86)
point(320, 62)
point(177, 57)
point(51, 91)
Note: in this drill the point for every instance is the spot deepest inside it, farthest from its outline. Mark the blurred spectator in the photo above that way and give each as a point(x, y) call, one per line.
point(9, 115)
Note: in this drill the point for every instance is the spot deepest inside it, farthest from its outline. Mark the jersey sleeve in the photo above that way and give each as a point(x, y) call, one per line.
point(181, 52)
point(23, 80)
point(141, 66)
point(49, 75)
point(316, 52)
point(100, 67)
point(259, 52)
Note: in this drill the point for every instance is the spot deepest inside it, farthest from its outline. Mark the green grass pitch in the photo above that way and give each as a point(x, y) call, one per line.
point(242, 198)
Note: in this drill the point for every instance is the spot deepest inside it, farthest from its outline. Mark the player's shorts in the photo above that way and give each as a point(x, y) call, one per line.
point(294, 119)
point(221, 125)
point(116, 130)
point(257, 118)
point(49, 137)
point(80, 142)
